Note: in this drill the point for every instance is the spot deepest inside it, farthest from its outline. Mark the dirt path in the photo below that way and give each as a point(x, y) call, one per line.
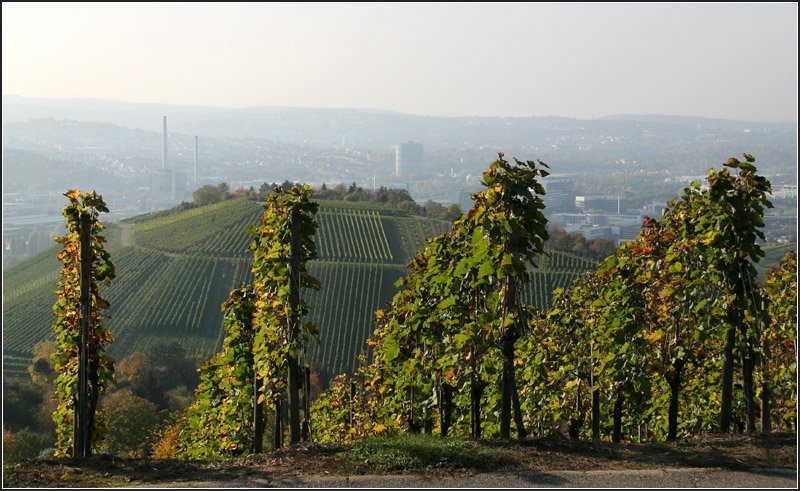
point(708, 461)
point(126, 234)
point(643, 478)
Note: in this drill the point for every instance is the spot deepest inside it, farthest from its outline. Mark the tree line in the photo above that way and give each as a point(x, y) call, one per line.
point(392, 199)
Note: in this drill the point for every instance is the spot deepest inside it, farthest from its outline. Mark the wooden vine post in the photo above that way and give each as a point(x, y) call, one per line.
point(294, 327)
point(83, 369)
point(282, 246)
point(258, 414)
point(81, 439)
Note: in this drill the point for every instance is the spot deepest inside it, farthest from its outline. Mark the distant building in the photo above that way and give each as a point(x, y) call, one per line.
point(625, 226)
point(169, 185)
point(593, 225)
point(654, 210)
point(409, 159)
point(564, 219)
point(161, 184)
point(590, 232)
point(465, 199)
point(559, 195)
point(180, 185)
point(610, 204)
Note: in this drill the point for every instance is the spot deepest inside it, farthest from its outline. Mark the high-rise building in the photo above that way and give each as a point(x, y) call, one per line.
point(559, 195)
point(409, 159)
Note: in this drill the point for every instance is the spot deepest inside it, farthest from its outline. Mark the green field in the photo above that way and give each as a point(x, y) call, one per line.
point(180, 266)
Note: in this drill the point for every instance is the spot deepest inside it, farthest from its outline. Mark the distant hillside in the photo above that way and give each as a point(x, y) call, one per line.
point(697, 121)
point(178, 267)
point(327, 126)
point(23, 170)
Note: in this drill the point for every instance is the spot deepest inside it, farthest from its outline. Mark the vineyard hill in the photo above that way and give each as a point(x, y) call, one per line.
point(176, 268)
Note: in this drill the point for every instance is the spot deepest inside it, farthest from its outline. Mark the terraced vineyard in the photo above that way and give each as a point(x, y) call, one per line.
point(350, 294)
point(15, 364)
point(28, 298)
point(180, 266)
point(352, 235)
point(217, 231)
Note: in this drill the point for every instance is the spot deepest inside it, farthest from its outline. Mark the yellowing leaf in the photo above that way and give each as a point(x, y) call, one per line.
point(655, 336)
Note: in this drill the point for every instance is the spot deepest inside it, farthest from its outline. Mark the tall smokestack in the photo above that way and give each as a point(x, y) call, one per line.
point(195, 160)
point(164, 154)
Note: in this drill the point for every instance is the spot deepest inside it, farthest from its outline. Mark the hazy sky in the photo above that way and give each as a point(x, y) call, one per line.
point(736, 61)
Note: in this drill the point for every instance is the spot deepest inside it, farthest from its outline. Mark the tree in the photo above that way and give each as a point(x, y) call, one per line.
point(173, 366)
point(67, 323)
point(43, 375)
point(208, 194)
point(42, 369)
point(19, 399)
point(23, 444)
point(132, 367)
point(158, 375)
point(148, 386)
point(132, 422)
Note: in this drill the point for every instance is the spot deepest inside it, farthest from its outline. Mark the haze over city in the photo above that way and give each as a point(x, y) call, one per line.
point(732, 61)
